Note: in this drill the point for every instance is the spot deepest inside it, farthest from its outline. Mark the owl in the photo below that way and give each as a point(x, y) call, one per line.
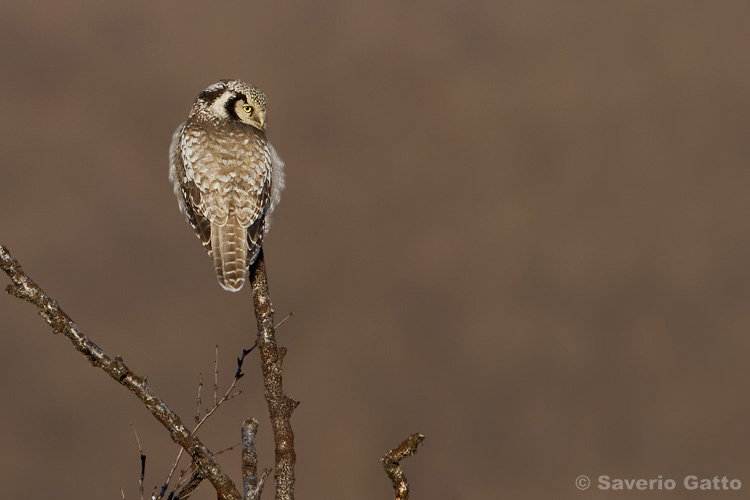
point(226, 175)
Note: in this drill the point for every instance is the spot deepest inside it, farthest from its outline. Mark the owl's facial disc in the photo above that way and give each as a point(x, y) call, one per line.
point(249, 113)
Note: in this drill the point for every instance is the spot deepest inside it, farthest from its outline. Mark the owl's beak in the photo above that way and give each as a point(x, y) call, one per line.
point(262, 121)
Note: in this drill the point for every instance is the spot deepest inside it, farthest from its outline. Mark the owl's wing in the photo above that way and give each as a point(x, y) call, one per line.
point(254, 240)
point(200, 224)
point(259, 227)
point(188, 194)
point(277, 185)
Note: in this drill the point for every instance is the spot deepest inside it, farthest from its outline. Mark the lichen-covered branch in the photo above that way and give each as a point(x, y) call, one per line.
point(24, 288)
point(280, 406)
point(392, 464)
point(252, 484)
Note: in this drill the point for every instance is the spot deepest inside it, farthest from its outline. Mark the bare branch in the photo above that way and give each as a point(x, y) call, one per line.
point(143, 462)
point(24, 288)
point(280, 406)
point(391, 463)
point(253, 485)
point(181, 480)
point(291, 313)
point(228, 448)
point(238, 374)
point(249, 455)
point(190, 487)
point(216, 374)
point(262, 481)
point(200, 421)
point(193, 478)
point(198, 400)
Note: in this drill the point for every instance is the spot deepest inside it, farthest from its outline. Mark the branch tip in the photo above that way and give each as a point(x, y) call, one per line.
point(392, 464)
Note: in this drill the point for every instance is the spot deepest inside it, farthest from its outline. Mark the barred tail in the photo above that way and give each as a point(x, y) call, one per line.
point(229, 248)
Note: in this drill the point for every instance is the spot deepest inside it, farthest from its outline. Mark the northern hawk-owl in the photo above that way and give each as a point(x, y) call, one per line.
point(227, 176)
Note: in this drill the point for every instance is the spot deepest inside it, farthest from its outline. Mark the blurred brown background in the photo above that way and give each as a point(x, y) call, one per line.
point(520, 229)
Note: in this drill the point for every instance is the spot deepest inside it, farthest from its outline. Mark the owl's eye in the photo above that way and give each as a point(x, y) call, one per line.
point(247, 109)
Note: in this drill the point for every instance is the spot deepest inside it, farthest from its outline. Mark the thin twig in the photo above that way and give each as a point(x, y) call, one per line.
point(238, 374)
point(200, 421)
point(190, 487)
point(228, 448)
point(182, 480)
point(198, 400)
point(216, 374)
point(143, 462)
point(392, 464)
point(24, 288)
point(291, 313)
point(224, 398)
point(280, 406)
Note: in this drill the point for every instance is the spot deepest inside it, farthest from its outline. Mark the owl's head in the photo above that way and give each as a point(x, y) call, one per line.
point(232, 100)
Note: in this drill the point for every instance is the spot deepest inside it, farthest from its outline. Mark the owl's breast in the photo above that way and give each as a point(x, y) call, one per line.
point(231, 166)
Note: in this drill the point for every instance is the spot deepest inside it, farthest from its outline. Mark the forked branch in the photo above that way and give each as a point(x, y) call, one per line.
point(24, 288)
point(204, 465)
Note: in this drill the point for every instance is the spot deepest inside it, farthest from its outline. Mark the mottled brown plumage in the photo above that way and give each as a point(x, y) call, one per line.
point(227, 176)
